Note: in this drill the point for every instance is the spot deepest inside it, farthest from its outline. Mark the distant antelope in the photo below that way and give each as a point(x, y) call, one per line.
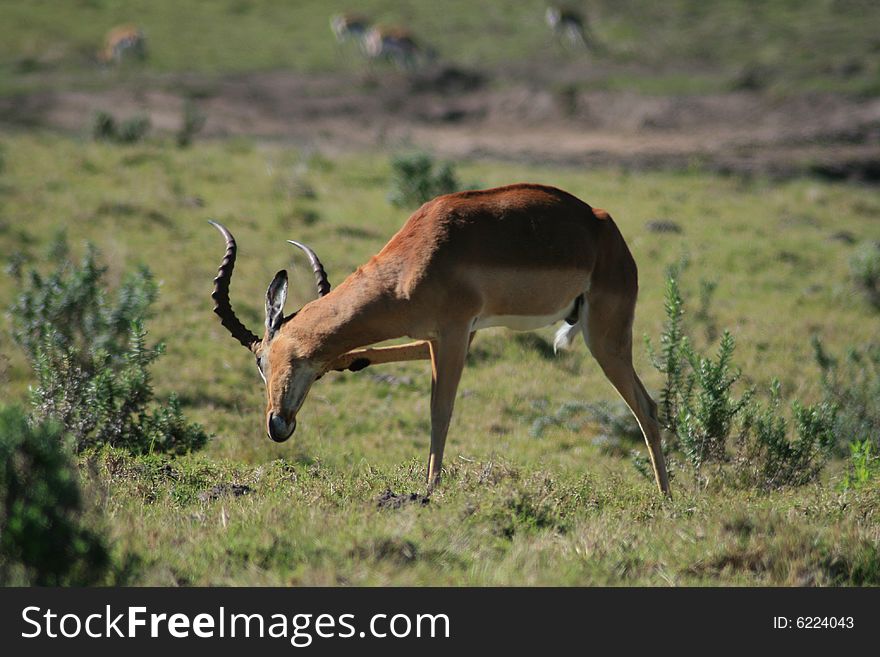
point(350, 27)
point(569, 26)
point(522, 256)
point(394, 44)
point(122, 42)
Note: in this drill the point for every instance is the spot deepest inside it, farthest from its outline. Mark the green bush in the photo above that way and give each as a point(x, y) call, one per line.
point(864, 465)
point(619, 431)
point(42, 537)
point(103, 126)
point(106, 128)
point(89, 353)
point(616, 420)
point(865, 269)
point(768, 459)
point(704, 314)
point(417, 178)
point(133, 130)
point(192, 122)
point(852, 385)
point(672, 359)
point(748, 443)
point(707, 408)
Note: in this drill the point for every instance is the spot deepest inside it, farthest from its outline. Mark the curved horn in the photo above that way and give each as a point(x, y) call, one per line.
point(320, 275)
point(220, 295)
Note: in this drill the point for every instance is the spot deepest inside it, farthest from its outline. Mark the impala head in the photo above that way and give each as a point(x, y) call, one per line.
point(281, 361)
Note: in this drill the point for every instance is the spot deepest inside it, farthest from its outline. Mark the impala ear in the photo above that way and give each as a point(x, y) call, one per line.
point(275, 296)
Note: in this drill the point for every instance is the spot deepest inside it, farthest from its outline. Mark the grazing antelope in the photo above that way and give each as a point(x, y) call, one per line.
point(568, 25)
point(123, 41)
point(394, 44)
point(522, 256)
point(350, 27)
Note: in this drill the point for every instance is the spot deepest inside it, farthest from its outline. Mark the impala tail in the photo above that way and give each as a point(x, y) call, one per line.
point(573, 324)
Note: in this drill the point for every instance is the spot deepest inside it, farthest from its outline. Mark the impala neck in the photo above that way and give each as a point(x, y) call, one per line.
point(359, 312)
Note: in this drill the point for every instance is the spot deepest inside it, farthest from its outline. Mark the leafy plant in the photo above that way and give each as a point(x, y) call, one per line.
point(852, 385)
point(768, 459)
point(865, 269)
point(103, 126)
point(106, 128)
point(42, 537)
point(616, 421)
point(133, 130)
point(88, 350)
point(704, 314)
point(672, 358)
point(701, 413)
point(417, 178)
point(864, 465)
point(191, 124)
point(707, 408)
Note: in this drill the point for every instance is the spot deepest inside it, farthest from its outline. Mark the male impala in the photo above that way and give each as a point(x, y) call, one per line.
point(395, 44)
point(121, 42)
point(522, 256)
point(348, 26)
point(568, 25)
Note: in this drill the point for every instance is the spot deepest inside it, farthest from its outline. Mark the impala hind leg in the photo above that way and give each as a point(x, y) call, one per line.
point(608, 334)
point(448, 353)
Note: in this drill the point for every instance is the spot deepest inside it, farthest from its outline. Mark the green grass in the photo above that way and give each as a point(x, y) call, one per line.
point(513, 509)
point(662, 47)
point(493, 523)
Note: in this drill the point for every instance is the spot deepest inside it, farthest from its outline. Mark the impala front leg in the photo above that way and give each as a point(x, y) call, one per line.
point(358, 359)
point(448, 353)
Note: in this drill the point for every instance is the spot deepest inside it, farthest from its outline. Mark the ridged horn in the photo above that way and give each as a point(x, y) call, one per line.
point(220, 295)
point(320, 275)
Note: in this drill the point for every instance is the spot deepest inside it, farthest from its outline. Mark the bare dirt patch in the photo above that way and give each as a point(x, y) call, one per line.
point(224, 490)
point(464, 114)
point(391, 500)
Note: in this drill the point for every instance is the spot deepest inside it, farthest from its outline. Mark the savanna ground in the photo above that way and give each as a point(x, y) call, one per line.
point(514, 508)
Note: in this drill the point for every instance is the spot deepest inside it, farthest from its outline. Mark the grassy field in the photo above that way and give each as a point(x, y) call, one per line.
point(670, 47)
point(514, 508)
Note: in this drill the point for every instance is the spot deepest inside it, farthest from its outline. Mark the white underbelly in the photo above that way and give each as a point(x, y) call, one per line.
point(522, 322)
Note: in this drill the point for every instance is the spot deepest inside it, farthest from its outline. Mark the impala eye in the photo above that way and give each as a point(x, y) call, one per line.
point(260, 369)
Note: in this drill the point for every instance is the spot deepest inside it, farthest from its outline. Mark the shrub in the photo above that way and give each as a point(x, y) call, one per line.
point(133, 130)
point(865, 269)
point(42, 538)
point(707, 408)
point(103, 126)
point(615, 420)
point(191, 124)
point(704, 314)
point(864, 465)
point(701, 414)
point(642, 462)
point(89, 353)
point(417, 178)
point(672, 359)
point(106, 128)
point(852, 385)
point(768, 459)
